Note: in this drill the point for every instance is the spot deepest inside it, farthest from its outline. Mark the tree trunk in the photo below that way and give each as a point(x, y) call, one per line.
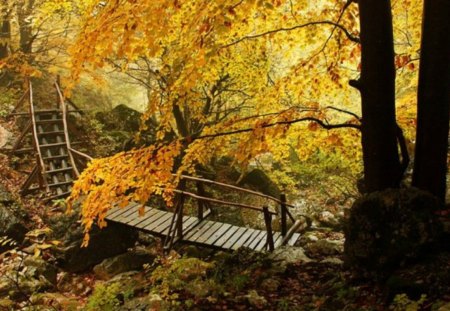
point(377, 87)
point(5, 32)
point(430, 165)
point(24, 12)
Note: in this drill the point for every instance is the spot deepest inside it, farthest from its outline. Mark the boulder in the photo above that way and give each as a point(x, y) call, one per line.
point(132, 260)
point(120, 117)
point(260, 181)
point(386, 229)
point(113, 240)
point(5, 137)
point(12, 218)
point(23, 275)
point(324, 247)
point(288, 255)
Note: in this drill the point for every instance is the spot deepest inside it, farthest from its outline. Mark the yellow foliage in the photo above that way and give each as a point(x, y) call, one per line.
point(284, 62)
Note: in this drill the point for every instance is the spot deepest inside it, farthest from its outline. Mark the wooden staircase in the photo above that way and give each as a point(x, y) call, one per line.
point(46, 134)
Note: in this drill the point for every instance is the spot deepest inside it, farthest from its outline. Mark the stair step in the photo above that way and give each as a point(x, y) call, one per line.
point(63, 183)
point(59, 170)
point(53, 145)
point(49, 121)
point(55, 157)
point(35, 112)
point(57, 196)
point(50, 133)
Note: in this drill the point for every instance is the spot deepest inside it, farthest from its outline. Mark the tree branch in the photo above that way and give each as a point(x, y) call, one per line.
point(336, 25)
point(267, 125)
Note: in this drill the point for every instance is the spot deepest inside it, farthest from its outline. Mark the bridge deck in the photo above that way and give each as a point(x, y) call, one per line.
point(204, 233)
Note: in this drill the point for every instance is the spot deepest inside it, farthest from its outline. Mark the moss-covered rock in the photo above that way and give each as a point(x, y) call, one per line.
point(12, 218)
point(259, 180)
point(386, 229)
point(113, 240)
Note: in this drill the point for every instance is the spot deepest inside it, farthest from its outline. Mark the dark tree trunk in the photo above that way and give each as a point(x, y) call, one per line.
point(24, 11)
point(430, 165)
point(377, 87)
point(5, 32)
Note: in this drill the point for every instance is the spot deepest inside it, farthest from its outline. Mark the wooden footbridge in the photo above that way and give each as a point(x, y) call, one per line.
point(58, 164)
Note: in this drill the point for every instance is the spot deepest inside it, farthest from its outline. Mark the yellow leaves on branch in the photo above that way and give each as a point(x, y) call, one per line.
point(123, 178)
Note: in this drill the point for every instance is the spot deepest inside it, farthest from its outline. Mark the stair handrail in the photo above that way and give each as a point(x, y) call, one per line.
point(63, 107)
point(35, 136)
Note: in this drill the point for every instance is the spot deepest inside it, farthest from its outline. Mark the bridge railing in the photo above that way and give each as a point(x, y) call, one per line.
point(175, 232)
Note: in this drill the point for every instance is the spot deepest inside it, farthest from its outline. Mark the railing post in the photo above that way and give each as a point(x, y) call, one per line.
point(283, 214)
point(268, 221)
point(179, 224)
point(201, 206)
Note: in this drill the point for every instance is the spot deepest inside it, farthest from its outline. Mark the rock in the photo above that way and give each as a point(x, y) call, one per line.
point(197, 252)
point(12, 218)
point(271, 285)
point(288, 255)
point(255, 300)
point(388, 228)
point(120, 117)
point(333, 261)
point(260, 181)
point(54, 301)
point(5, 137)
point(113, 240)
point(132, 260)
point(327, 219)
point(325, 247)
point(23, 275)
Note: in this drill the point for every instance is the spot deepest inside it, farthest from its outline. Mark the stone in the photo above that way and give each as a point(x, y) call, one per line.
point(259, 180)
point(24, 275)
point(333, 261)
point(132, 260)
point(325, 247)
point(287, 255)
point(5, 137)
point(12, 218)
point(271, 285)
point(389, 228)
point(255, 300)
point(327, 219)
point(54, 301)
point(113, 240)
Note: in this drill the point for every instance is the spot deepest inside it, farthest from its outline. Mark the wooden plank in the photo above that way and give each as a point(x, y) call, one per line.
point(257, 239)
point(252, 237)
point(120, 211)
point(149, 212)
point(226, 236)
point(132, 216)
point(244, 238)
point(213, 238)
point(294, 239)
point(189, 223)
point(207, 234)
point(151, 219)
point(235, 237)
point(262, 245)
point(122, 217)
point(162, 224)
point(277, 238)
point(198, 231)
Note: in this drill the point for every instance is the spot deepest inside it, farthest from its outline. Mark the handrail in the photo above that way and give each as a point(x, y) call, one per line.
point(35, 136)
point(66, 128)
point(234, 187)
point(81, 154)
point(198, 197)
